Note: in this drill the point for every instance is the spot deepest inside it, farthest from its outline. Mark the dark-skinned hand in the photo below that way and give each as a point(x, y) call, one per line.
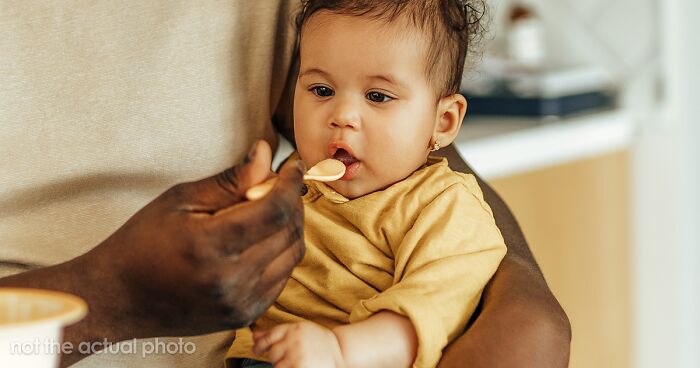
point(200, 258)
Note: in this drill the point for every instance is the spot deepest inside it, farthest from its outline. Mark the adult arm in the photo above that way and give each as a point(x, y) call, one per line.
point(199, 254)
point(520, 323)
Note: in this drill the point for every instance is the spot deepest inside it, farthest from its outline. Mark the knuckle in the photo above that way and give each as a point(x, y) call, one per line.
point(246, 318)
point(238, 308)
point(226, 287)
point(237, 316)
point(228, 240)
point(217, 288)
point(197, 251)
point(299, 249)
point(229, 179)
point(279, 210)
point(297, 228)
point(177, 192)
point(204, 244)
point(236, 241)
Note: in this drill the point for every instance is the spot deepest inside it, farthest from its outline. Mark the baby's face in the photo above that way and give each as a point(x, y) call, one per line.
point(362, 97)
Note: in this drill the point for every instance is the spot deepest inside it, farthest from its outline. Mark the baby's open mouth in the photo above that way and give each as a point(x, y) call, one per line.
point(345, 157)
point(352, 164)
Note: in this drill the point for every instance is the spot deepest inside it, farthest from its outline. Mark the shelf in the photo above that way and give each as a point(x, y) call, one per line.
point(499, 147)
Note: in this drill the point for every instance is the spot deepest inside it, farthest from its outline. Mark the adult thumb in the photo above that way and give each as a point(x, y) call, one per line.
point(228, 187)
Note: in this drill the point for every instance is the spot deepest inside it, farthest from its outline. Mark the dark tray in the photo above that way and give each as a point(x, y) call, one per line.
point(538, 106)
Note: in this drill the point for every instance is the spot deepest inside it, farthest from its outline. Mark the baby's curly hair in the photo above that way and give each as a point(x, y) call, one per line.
point(455, 30)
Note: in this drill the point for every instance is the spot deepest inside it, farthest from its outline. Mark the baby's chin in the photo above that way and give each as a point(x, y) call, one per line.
point(345, 190)
point(351, 189)
point(357, 187)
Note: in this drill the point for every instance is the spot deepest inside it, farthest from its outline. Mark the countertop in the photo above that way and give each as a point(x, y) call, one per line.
point(500, 147)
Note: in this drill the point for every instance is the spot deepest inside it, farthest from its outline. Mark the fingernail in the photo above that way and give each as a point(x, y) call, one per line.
point(251, 154)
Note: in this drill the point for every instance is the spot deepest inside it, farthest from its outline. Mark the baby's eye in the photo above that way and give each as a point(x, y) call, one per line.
point(378, 97)
point(322, 91)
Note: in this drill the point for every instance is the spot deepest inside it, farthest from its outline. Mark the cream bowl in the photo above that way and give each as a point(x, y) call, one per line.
point(31, 325)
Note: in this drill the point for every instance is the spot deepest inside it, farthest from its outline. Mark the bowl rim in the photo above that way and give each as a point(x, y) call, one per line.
point(72, 308)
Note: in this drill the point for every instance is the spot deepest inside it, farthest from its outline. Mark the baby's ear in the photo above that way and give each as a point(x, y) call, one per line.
point(450, 113)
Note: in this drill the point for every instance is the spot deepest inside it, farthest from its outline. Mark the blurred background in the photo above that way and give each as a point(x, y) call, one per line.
point(584, 116)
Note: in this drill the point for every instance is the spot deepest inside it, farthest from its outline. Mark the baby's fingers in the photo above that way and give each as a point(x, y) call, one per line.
point(265, 339)
point(286, 362)
point(278, 352)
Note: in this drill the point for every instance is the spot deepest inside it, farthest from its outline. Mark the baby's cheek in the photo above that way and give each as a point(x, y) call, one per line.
point(309, 149)
point(303, 154)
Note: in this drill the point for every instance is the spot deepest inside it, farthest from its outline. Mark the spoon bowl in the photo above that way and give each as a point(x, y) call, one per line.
point(326, 170)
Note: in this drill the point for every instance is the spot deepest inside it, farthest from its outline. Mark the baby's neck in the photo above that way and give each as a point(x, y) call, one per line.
point(424, 165)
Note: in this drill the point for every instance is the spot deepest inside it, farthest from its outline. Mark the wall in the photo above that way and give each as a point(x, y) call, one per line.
point(667, 276)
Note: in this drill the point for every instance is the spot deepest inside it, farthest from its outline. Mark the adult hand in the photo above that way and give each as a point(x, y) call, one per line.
point(200, 258)
point(197, 259)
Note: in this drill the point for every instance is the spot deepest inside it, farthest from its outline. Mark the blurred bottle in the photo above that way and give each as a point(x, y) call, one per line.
point(525, 43)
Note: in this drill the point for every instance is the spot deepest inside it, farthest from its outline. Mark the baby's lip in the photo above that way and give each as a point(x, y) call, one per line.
point(333, 147)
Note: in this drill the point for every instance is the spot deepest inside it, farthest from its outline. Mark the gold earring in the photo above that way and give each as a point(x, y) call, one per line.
point(436, 146)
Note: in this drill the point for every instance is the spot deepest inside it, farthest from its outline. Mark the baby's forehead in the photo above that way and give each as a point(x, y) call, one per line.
point(383, 31)
point(400, 26)
point(368, 38)
point(365, 37)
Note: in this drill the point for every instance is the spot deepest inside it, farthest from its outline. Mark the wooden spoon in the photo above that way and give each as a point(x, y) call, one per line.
point(326, 170)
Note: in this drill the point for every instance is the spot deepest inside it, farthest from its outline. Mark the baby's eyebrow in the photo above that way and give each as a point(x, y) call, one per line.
point(312, 71)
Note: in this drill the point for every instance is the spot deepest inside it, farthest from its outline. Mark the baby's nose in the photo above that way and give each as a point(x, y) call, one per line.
point(342, 123)
point(346, 116)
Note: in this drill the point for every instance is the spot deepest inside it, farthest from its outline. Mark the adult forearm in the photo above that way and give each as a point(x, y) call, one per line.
point(520, 324)
point(518, 295)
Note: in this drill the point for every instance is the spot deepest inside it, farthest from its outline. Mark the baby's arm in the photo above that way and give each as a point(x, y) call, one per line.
point(384, 340)
point(298, 345)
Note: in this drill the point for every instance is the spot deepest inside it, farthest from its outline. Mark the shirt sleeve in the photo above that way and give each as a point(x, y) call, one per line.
point(441, 268)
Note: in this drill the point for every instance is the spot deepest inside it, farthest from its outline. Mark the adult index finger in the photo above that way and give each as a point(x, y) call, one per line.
point(237, 228)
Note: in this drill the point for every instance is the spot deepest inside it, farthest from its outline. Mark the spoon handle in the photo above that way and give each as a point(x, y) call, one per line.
point(258, 191)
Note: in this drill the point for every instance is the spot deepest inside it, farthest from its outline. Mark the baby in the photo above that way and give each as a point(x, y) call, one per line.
point(400, 248)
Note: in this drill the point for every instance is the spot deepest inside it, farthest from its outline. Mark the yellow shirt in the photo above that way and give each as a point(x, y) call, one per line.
point(424, 248)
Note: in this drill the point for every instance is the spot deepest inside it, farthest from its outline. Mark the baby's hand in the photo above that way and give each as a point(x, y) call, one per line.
point(299, 345)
